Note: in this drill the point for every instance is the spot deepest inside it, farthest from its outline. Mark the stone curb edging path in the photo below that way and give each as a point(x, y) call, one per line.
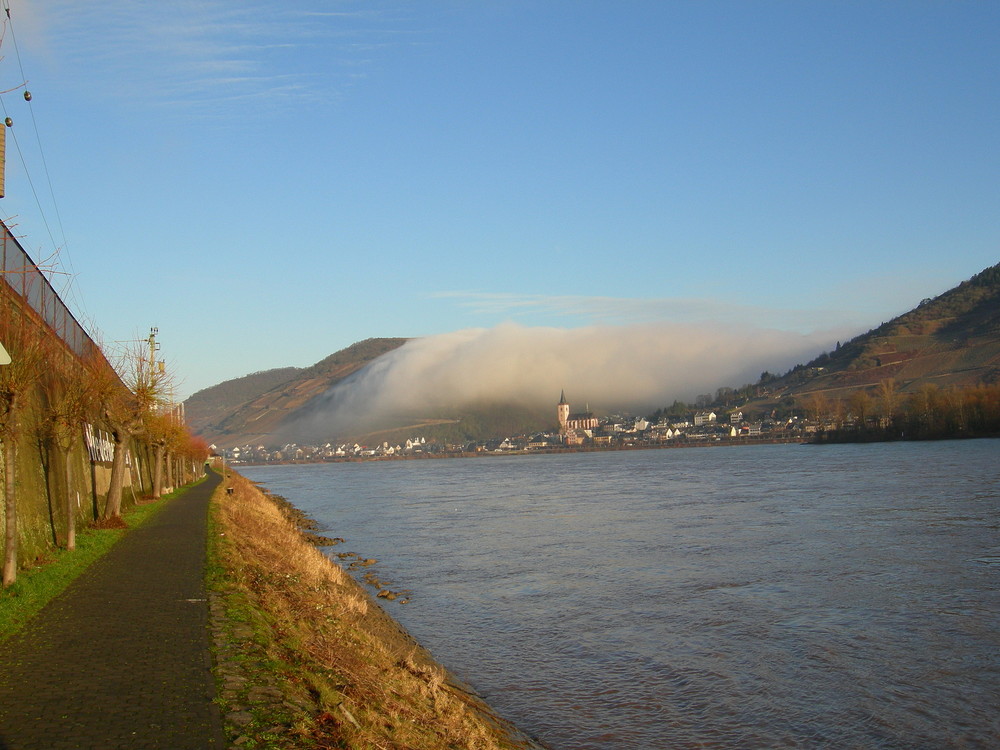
point(122, 659)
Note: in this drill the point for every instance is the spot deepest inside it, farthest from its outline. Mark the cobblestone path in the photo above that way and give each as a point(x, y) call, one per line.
point(121, 658)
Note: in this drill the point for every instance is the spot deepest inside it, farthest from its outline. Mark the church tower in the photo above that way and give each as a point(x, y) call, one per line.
point(562, 411)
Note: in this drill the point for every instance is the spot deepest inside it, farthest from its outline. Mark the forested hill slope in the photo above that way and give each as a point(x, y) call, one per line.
point(950, 340)
point(251, 409)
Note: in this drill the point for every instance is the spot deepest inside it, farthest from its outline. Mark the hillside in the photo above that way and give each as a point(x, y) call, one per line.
point(212, 405)
point(258, 404)
point(952, 340)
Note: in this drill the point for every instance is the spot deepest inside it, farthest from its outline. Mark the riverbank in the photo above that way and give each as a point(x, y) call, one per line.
point(553, 450)
point(306, 658)
point(616, 601)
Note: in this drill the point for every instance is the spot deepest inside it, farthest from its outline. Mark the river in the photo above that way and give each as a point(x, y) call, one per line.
point(773, 596)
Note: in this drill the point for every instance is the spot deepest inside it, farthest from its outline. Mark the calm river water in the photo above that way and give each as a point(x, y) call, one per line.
point(749, 597)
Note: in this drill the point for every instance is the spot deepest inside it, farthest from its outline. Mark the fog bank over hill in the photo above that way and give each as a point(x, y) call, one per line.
point(610, 367)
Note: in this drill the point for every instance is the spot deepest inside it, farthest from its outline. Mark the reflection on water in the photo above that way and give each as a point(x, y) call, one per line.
point(757, 597)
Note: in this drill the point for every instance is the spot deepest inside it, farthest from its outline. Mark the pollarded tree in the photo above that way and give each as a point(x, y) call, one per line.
point(196, 452)
point(112, 399)
point(22, 339)
point(70, 398)
point(125, 410)
point(179, 438)
point(157, 430)
point(165, 433)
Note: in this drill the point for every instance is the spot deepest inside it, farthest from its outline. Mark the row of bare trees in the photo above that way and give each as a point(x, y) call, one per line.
point(930, 411)
point(48, 396)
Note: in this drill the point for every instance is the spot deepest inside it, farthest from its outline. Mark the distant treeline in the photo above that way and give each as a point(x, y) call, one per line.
point(930, 413)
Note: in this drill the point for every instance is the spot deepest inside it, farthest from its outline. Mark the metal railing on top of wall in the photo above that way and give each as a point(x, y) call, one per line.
point(22, 275)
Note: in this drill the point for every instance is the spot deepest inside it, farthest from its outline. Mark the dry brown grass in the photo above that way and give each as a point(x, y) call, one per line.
point(366, 683)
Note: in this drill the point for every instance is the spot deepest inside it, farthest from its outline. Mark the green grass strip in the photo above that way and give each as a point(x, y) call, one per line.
point(36, 587)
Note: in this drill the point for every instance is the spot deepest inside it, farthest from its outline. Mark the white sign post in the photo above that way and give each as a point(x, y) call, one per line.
point(4, 356)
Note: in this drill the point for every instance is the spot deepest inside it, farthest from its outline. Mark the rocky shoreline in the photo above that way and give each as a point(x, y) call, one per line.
point(307, 528)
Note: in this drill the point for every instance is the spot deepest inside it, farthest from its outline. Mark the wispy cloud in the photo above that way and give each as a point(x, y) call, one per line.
point(198, 53)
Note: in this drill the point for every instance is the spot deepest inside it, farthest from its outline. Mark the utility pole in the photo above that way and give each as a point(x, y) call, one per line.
point(3, 156)
point(153, 348)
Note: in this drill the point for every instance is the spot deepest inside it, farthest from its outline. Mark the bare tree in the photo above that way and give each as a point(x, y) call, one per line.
point(21, 337)
point(861, 406)
point(158, 435)
point(819, 407)
point(69, 400)
point(837, 412)
point(177, 447)
point(125, 410)
point(888, 397)
point(165, 434)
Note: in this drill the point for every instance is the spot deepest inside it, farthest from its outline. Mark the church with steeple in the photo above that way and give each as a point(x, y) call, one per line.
point(562, 410)
point(568, 423)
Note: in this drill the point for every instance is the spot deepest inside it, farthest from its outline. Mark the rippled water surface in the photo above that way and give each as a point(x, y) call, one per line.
point(749, 597)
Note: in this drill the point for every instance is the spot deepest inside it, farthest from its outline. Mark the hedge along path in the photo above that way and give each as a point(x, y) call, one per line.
point(121, 658)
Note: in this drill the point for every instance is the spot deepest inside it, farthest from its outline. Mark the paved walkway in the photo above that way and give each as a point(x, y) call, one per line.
point(121, 658)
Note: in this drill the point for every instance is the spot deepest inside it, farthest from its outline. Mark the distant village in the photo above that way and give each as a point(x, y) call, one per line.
point(576, 431)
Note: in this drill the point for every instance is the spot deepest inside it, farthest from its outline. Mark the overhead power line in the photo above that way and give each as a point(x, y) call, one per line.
point(59, 250)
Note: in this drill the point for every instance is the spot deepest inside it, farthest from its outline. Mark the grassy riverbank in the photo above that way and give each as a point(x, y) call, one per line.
point(306, 657)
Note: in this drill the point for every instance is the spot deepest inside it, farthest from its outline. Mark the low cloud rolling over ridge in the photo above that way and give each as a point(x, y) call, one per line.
point(610, 367)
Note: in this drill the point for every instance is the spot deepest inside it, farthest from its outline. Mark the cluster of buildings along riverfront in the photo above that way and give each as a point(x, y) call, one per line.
point(576, 430)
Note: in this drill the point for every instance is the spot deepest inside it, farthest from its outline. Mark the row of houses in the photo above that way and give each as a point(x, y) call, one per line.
point(638, 433)
point(295, 452)
point(576, 430)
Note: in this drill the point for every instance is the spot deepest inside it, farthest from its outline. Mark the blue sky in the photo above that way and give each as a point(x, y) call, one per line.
point(270, 182)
